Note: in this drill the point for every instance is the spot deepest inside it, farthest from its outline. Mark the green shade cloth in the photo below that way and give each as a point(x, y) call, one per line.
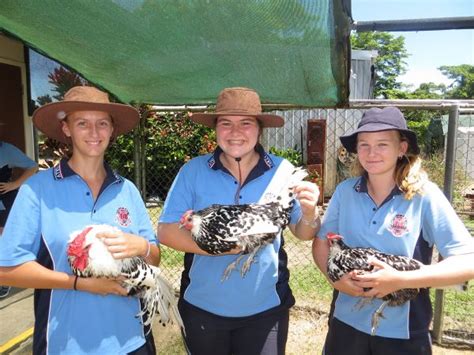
point(171, 52)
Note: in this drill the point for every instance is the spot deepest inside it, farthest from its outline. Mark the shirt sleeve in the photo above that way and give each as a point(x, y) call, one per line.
point(442, 226)
point(180, 196)
point(16, 158)
point(21, 237)
point(330, 221)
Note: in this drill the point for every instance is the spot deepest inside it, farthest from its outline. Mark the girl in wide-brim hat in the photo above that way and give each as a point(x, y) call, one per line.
point(76, 315)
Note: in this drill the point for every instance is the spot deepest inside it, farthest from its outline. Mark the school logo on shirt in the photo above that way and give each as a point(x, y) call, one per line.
point(123, 217)
point(398, 227)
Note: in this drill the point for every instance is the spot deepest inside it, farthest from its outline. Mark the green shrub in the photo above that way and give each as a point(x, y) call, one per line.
point(294, 156)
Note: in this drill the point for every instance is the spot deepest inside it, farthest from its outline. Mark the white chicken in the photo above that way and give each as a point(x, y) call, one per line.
point(89, 257)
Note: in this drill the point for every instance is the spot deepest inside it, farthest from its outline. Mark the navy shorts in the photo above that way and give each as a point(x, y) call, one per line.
point(343, 339)
point(208, 334)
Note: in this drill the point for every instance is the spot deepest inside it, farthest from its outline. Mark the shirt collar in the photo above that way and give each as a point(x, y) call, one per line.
point(361, 186)
point(265, 163)
point(62, 170)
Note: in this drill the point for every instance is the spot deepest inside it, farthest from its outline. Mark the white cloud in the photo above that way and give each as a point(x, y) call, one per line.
point(415, 77)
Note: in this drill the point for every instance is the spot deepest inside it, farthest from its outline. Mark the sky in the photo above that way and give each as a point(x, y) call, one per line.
point(428, 50)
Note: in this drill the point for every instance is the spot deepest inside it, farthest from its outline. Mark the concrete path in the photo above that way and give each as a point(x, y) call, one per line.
point(16, 321)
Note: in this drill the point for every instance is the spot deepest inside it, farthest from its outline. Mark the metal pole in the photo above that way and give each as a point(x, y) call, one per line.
point(423, 24)
point(448, 191)
point(137, 154)
point(143, 154)
point(451, 152)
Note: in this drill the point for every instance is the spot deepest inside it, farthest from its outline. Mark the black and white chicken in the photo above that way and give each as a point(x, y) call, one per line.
point(343, 259)
point(88, 256)
point(220, 228)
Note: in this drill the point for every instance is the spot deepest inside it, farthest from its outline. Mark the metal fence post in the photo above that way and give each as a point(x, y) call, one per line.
point(138, 154)
point(448, 191)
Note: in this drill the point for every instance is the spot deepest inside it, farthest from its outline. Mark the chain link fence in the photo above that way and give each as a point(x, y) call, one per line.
point(174, 137)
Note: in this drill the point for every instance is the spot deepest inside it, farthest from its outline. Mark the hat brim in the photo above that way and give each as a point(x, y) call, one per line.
point(48, 118)
point(349, 141)
point(209, 119)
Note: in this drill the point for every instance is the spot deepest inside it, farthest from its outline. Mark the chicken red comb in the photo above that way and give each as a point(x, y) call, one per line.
point(332, 236)
point(77, 243)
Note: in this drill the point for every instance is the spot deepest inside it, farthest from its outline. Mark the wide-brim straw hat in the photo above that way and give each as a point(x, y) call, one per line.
point(376, 120)
point(48, 118)
point(238, 101)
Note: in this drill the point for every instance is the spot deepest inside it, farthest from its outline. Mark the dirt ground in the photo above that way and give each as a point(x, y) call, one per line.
point(306, 336)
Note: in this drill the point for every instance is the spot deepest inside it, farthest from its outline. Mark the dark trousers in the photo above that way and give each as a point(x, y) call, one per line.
point(209, 334)
point(343, 339)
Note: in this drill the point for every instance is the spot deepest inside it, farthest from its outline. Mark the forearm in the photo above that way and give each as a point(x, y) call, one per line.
point(174, 237)
point(25, 175)
point(306, 228)
point(320, 254)
point(33, 275)
point(450, 271)
point(154, 257)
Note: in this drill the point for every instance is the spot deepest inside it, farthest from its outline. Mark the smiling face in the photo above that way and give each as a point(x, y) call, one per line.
point(90, 131)
point(237, 135)
point(378, 152)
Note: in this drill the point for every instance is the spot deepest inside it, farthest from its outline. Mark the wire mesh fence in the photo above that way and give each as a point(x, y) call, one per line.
point(168, 140)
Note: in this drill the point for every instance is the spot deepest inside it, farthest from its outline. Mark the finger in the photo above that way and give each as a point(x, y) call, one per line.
point(114, 241)
point(107, 235)
point(120, 255)
point(376, 262)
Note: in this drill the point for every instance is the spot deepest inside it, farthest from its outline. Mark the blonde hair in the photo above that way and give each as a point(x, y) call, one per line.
point(409, 175)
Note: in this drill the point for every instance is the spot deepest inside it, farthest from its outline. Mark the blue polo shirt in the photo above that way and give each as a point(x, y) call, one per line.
point(398, 226)
point(49, 207)
point(12, 157)
point(204, 181)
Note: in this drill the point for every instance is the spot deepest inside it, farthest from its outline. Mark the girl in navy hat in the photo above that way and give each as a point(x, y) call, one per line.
point(390, 206)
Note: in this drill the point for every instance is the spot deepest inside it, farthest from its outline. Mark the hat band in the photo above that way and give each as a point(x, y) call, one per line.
point(238, 112)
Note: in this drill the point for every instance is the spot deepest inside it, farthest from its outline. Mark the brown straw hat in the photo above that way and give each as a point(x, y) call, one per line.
point(238, 102)
point(48, 118)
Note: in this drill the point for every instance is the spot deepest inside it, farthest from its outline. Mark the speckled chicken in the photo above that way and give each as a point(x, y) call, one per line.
point(220, 228)
point(88, 256)
point(343, 259)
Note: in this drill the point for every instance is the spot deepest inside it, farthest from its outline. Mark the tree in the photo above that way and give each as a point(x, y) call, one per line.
point(463, 85)
point(63, 79)
point(389, 63)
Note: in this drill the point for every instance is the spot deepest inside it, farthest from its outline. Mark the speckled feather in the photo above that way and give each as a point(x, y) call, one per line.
point(343, 259)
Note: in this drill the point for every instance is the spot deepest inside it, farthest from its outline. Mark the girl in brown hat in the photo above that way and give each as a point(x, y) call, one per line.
point(391, 207)
point(241, 315)
point(79, 315)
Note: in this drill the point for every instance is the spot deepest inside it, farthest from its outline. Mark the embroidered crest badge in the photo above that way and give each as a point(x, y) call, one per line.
point(399, 225)
point(123, 217)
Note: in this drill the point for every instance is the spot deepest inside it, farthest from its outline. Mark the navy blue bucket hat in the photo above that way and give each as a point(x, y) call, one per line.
point(376, 120)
